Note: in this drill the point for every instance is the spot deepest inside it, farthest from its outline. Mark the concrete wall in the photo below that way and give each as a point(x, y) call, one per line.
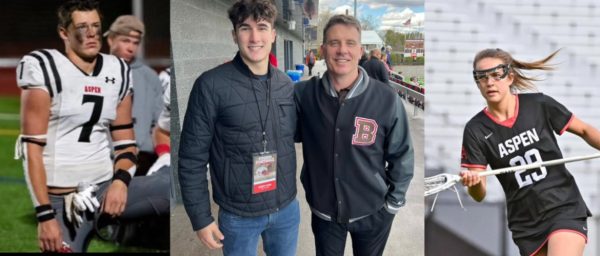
point(201, 39)
point(298, 52)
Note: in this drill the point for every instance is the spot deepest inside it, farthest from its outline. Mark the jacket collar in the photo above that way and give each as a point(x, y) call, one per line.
point(242, 67)
point(357, 88)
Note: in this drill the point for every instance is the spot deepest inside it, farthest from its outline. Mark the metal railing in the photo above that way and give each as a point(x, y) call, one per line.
point(412, 94)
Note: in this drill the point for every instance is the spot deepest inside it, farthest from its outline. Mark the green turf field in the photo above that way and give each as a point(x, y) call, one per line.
point(18, 230)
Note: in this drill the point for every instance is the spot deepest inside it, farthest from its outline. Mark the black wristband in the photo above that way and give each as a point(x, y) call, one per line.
point(120, 127)
point(126, 155)
point(124, 146)
point(123, 176)
point(44, 212)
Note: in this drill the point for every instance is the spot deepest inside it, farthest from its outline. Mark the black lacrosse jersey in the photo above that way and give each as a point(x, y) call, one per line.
point(533, 197)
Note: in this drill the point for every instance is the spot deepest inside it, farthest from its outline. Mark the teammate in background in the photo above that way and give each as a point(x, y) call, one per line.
point(162, 135)
point(162, 132)
point(124, 38)
point(241, 119)
point(358, 154)
point(165, 80)
point(545, 210)
point(72, 105)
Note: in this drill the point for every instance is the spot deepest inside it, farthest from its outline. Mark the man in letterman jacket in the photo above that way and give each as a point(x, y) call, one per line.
point(358, 155)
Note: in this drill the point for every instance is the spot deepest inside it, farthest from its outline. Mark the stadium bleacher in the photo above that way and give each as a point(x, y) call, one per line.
point(456, 31)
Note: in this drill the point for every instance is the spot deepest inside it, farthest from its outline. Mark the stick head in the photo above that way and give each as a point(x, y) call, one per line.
point(440, 182)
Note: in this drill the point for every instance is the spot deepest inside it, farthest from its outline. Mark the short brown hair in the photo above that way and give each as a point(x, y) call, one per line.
point(65, 10)
point(521, 81)
point(341, 19)
point(257, 9)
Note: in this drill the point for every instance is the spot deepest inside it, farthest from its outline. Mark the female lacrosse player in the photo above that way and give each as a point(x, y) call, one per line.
point(546, 212)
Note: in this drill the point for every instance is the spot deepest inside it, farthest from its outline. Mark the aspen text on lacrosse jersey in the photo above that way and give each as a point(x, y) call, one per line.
point(513, 144)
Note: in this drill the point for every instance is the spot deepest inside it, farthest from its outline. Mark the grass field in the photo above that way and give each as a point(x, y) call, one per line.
point(18, 226)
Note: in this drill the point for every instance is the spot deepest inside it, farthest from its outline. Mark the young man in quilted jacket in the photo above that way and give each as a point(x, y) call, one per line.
point(240, 119)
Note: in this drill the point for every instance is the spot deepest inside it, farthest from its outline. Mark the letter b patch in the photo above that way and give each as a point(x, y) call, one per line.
point(366, 131)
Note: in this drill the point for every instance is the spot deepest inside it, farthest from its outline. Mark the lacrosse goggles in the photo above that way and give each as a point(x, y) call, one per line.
point(497, 73)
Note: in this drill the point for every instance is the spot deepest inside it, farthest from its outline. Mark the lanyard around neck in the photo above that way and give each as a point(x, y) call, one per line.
point(263, 124)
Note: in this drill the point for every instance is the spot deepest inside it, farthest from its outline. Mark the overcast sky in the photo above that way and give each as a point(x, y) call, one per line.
point(392, 13)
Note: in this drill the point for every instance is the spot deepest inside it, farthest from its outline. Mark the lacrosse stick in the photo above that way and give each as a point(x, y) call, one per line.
point(441, 182)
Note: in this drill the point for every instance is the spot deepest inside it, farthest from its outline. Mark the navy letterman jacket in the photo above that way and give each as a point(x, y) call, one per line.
point(221, 127)
point(347, 145)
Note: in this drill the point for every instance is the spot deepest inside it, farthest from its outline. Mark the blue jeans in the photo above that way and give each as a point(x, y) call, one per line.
point(279, 231)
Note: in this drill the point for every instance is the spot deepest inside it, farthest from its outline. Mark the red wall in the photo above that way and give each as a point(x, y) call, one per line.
point(8, 81)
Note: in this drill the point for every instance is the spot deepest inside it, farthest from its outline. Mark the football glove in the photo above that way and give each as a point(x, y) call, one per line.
point(77, 203)
point(74, 216)
point(85, 198)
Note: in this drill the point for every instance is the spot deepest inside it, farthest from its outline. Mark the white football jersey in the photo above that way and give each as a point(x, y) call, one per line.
point(78, 138)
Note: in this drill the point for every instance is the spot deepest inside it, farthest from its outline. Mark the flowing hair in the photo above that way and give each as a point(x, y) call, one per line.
point(521, 81)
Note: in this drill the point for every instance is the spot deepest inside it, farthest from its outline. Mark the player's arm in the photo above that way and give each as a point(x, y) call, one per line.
point(162, 148)
point(196, 137)
point(399, 154)
point(36, 102)
point(161, 135)
point(587, 132)
point(125, 158)
point(476, 185)
point(162, 132)
point(35, 113)
point(475, 161)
